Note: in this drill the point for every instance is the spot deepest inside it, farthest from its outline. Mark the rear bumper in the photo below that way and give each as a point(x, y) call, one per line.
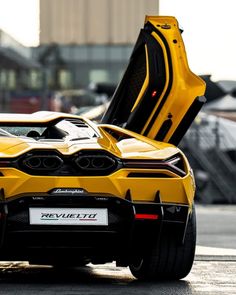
point(15, 182)
point(129, 230)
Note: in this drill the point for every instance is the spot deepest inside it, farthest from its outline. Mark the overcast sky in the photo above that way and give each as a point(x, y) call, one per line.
point(20, 18)
point(209, 30)
point(209, 34)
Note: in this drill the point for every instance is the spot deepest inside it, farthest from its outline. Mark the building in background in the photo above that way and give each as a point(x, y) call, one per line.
point(18, 74)
point(83, 41)
point(95, 22)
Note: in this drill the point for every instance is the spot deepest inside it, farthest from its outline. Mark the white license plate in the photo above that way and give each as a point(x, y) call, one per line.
point(68, 216)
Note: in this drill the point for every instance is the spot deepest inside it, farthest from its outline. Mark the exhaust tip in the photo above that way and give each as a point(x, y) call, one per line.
point(41, 162)
point(96, 162)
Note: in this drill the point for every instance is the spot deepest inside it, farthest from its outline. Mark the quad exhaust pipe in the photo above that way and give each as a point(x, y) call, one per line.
point(43, 162)
point(79, 164)
point(96, 162)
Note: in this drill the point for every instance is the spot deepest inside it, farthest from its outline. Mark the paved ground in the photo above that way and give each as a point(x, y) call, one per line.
point(207, 277)
point(216, 226)
point(213, 273)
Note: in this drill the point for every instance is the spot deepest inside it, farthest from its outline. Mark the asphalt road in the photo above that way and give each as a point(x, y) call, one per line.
point(216, 226)
point(214, 271)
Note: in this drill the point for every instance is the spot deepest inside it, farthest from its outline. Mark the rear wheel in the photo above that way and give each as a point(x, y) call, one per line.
point(169, 258)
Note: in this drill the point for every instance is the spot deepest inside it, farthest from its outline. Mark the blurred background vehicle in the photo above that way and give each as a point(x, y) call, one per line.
point(77, 101)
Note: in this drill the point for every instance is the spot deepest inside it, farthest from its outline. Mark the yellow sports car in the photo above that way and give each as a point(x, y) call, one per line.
point(73, 192)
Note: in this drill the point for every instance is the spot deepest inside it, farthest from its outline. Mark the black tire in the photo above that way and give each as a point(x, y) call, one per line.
point(169, 259)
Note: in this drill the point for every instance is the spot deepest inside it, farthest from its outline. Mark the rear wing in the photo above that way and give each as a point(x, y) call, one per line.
point(158, 96)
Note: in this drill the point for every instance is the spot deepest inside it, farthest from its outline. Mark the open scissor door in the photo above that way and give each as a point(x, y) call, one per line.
point(158, 95)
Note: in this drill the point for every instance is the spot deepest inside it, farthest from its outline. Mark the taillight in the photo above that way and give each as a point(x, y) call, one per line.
point(174, 164)
point(5, 163)
point(177, 164)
